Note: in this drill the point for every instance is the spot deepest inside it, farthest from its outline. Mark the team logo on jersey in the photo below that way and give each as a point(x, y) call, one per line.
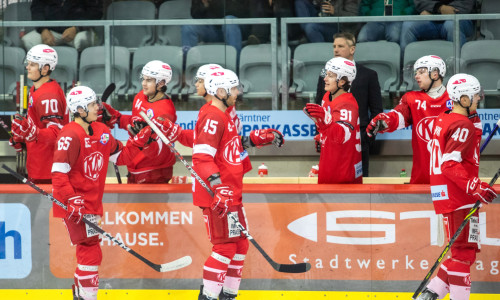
point(30, 103)
point(104, 138)
point(439, 192)
point(232, 151)
point(425, 127)
point(150, 113)
point(92, 165)
point(449, 104)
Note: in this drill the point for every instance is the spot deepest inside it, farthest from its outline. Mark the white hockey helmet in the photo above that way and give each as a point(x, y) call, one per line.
point(342, 67)
point(463, 85)
point(205, 70)
point(431, 62)
point(80, 96)
point(43, 55)
point(221, 79)
point(157, 70)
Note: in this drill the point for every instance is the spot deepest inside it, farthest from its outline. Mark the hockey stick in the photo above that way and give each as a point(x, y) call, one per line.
point(284, 268)
point(492, 133)
point(166, 267)
point(105, 95)
point(452, 240)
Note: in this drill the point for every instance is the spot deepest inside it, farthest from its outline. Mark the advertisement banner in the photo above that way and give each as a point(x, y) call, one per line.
point(342, 241)
point(296, 126)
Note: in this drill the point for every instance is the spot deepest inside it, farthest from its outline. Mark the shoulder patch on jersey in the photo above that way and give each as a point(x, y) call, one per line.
point(104, 138)
point(449, 104)
point(439, 192)
point(150, 113)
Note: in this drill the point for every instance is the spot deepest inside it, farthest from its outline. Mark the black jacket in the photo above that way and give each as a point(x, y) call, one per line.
point(57, 10)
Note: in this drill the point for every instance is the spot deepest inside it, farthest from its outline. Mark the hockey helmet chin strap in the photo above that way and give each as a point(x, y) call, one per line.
point(224, 100)
point(432, 82)
point(41, 76)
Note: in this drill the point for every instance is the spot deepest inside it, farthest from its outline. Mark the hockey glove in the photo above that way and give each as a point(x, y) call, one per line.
point(264, 137)
point(168, 128)
point(223, 199)
point(108, 115)
point(144, 137)
point(481, 190)
point(75, 206)
point(321, 117)
point(377, 124)
point(137, 125)
point(317, 142)
point(24, 129)
point(16, 145)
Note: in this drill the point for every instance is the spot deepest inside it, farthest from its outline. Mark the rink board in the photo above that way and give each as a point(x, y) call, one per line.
point(362, 241)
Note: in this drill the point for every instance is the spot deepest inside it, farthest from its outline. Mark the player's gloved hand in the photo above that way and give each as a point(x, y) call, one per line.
point(108, 115)
point(24, 129)
point(223, 199)
point(321, 117)
point(75, 206)
point(378, 124)
point(143, 137)
point(168, 128)
point(481, 190)
point(264, 137)
point(16, 145)
point(137, 124)
point(317, 142)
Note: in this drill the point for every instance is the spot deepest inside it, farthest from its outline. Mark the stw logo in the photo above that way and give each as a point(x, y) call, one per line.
point(48, 50)
point(425, 128)
point(348, 63)
point(76, 93)
point(166, 67)
point(92, 165)
point(217, 74)
point(460, 81)
point(232, 151)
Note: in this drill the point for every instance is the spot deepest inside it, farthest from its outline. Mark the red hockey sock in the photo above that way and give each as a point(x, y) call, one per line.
point(439, 284)
point(214, 273)
point(459, 278)
point(233, 276)
point(87, 282)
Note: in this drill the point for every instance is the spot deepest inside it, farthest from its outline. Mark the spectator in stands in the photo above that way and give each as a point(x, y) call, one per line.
point(215, 9)
point(323, 32)
point(390, 31)
point(58, 10)
point(271, 9)
point(365, 88)
point(433, 30)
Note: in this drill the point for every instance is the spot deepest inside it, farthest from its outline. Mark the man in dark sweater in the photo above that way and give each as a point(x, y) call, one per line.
point(365, 88)
point(58, 10)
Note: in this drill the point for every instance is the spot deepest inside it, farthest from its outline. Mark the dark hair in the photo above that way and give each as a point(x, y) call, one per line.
point(163, 89)
point(347, 36)
point(347, 84)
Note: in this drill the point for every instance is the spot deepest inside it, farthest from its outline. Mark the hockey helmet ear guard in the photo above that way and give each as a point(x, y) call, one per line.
point(42, 55)
point(342, 67)
point(464, 85)
point(80, 97)
point(158, 70)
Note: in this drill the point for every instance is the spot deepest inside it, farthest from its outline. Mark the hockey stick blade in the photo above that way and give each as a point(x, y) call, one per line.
point(166, 267)
point(107, 92)
point(284, 268)
point(424, 282)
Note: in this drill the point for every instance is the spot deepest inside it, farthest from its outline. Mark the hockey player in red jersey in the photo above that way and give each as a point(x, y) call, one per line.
point(455, 186)
point(418, 108)
point(155, 162)
point(337, 120)
point(47, 114)
point(81, 157)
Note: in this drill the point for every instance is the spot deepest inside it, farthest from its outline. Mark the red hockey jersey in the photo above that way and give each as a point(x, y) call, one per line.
point(420, 110)
point(47, 109)
point(340, 158)
point(81, 163)
point(156, 155)
point(454, 160)
point(216, 149)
